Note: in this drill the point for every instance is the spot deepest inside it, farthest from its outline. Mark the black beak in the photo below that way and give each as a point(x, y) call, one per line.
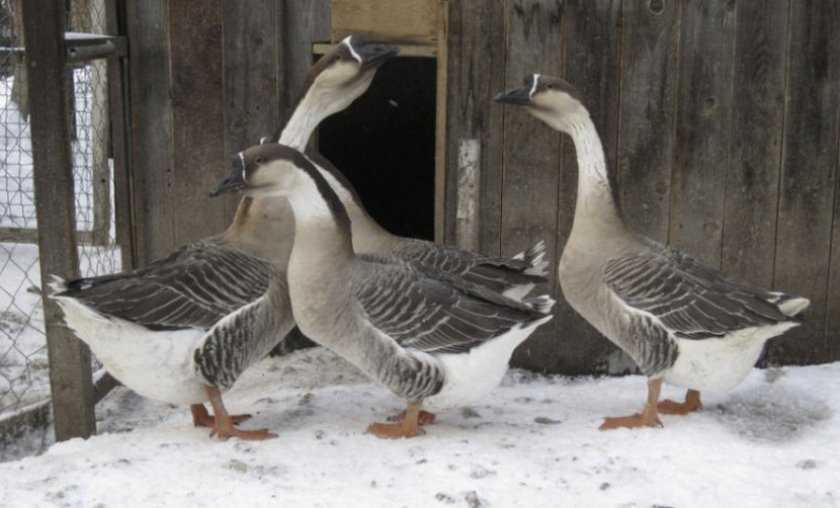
point(232, 183)
point(373, 55)
point(518, 97)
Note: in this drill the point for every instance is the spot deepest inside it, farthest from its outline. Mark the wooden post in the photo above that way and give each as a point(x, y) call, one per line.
point(120, 141)
point(70, 374)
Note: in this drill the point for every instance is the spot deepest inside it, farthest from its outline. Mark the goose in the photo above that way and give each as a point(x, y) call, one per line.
point(432, 338)
point(183, 328)
point(681, 321)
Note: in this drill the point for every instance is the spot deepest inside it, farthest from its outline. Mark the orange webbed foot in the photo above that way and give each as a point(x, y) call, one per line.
point(630, 422)
point(692, 403)
point(393, 430)
point(423, 418)
point(246, 435)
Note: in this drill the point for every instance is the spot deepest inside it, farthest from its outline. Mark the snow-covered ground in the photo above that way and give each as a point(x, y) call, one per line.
point(775, 441)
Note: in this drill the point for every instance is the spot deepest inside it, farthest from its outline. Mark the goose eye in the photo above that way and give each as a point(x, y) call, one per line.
point(549, 86)
point(259, 160)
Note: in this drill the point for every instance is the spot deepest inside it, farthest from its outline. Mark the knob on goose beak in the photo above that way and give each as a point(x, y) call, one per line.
point(373, 54)
point(235, 181)
point(518, 97)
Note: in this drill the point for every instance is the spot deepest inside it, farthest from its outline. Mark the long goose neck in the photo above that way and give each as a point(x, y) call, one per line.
point(595, 205)
point(322, 226)
point(368, 235)
point(262, 227)
point(309, 113)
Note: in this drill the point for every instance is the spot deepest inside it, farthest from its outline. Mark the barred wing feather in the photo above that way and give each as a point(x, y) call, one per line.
point(193, 287)
point(434, 313)
point(690, 300)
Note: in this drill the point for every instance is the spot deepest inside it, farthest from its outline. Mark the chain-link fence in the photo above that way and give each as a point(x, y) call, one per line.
point(24, 374)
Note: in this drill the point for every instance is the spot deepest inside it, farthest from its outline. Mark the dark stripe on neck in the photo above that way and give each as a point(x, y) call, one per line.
point(330, 168)
point(335, 205)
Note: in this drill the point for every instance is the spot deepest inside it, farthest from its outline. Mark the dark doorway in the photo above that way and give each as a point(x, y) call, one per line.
point(385, 144)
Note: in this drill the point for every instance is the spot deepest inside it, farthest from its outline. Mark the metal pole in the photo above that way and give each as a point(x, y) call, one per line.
point(70, 373)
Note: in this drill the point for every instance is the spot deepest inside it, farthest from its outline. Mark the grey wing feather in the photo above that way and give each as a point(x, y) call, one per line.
point(496, 273)
point(193, 287)
point(691, 300)
point(435, 313)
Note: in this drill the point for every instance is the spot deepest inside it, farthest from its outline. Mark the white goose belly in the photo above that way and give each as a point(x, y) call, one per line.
point(471, 376)
point(719, 364)
point(155, 364)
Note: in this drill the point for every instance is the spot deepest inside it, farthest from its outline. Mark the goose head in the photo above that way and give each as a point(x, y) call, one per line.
point(552, 100)
point(345, 73)
point(268, 169)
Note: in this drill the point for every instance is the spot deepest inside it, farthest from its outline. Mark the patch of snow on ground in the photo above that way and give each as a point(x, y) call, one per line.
point(534, 442)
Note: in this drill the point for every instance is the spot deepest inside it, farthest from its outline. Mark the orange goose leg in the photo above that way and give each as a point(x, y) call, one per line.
point(424, 418)
point(223, 422)
point(201, 418)
point(692, 403)
point(407, 426)
point(648, 416)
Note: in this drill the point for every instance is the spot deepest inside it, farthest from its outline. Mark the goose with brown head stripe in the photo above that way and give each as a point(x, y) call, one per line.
point(183, 328)
point(681, 321)
point(430, 337)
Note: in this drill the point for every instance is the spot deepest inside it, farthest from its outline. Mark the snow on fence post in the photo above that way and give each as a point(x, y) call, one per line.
point(69, 358)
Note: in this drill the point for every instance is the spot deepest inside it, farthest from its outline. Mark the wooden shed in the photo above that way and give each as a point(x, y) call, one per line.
point(720, 121)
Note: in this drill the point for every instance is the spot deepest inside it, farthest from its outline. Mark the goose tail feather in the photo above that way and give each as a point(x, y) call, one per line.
point(535, 258)
point(542, 304)
point(57, 285)
point(789, 305)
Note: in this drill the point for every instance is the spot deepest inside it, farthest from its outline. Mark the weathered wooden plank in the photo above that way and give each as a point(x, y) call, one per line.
point(120, 138)
point(199, 159)
point(441, 93)
point(151, 127)
point(393, 20)
point(592, 33)
point(751, 183)
point(809, 159)
point(69, 358)
point(832, 321)
point(704, 110)
point(251, 89)
point(300, 24)
point(532, 156)
point(476, 61)
point(650, 61)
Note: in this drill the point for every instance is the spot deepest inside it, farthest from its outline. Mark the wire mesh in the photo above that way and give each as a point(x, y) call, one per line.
point(24, 373)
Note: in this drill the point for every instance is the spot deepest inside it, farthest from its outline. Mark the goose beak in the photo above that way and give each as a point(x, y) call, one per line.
point(232, 183)
point(517, 97)
point(373, 55)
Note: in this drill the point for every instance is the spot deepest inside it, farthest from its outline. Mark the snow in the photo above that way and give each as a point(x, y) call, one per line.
point(533, 442)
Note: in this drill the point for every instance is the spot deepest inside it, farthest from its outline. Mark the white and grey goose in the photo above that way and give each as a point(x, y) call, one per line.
point(680, 321)
point(430, 337)
point(183, 328)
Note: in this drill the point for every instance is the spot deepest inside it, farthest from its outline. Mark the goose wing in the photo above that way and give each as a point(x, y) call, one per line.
point(434, 312)
point(689, 299)
point(193, 287)
point(496, 273)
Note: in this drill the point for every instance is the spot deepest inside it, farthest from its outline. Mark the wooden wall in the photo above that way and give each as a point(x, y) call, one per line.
point(207, 79)
point(721, 129)
point(720, 121)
